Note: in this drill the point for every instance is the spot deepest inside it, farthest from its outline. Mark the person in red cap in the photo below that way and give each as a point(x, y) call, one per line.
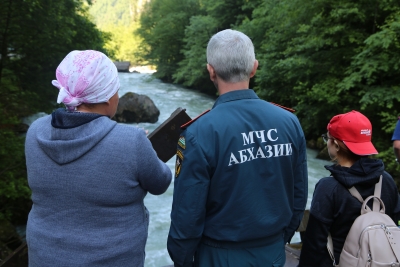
point(333, 208)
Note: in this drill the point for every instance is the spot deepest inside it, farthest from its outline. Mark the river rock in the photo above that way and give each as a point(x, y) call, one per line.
point(134, 108)
point(323, 154)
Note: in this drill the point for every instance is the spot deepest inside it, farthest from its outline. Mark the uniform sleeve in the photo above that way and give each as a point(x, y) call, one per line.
point(154, 175)
point(300, 192)
point(314, 251)
point(396, 140)
point(396, 133)
point(189, 201)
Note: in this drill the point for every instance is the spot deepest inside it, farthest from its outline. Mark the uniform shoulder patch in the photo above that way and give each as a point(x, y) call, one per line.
point(184, 126)
point(182, 142)
point(178, 163)
point(286, 108)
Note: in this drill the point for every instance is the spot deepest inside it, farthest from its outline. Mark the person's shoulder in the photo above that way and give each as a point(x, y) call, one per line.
point(43, 119)
point(130, 130)
point(386, 177)
point(283, 107)
point(282, 112)
point(325, 194)
point(327, 180)
point(40, 122)
point(191, 122)
point(326, 184)
point(126, 135)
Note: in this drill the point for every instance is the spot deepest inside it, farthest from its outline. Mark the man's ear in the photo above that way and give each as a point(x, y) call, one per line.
point(211, 71)
point(253, 72)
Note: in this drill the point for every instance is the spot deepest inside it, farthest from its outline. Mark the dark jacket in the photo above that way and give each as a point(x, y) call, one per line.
point(241, 176)
point(334, 209)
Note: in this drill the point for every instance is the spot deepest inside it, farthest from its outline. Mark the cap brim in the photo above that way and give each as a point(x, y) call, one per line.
point(361, 149)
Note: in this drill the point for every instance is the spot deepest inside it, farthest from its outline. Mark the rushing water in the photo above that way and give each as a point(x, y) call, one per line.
point(167, 98)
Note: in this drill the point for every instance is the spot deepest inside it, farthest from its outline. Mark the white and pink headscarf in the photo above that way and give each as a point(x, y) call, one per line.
point(85, 77)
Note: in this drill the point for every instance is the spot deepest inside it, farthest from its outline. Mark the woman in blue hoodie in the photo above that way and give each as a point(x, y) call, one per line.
point(333, 209)
point(88, 174)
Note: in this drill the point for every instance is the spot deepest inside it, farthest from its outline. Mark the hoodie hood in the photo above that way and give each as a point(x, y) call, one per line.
point(365, 171)
point(72, 134)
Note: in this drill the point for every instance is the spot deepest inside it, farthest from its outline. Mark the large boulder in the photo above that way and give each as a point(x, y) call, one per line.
point(323, 154)
point(134, 108)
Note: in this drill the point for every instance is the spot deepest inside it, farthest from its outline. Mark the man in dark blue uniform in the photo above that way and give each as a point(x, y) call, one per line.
point(241, 171)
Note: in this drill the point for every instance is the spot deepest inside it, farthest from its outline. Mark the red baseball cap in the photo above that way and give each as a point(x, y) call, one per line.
point(355, 130)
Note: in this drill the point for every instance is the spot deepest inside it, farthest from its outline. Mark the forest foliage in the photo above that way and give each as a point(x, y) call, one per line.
point(119, 19)
point(35, 36)
point(320, 57)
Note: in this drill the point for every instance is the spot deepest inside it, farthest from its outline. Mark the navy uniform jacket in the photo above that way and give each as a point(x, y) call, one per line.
point(241, 175)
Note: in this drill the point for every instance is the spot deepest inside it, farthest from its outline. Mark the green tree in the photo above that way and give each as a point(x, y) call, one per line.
point(123, 42)
point(374, 75)
point(374, 70)
point(321, 57)
point(229, 13)
point(327, 57)
point(162, 28)
point(120, 19)
point(14, 191)
point(192, 71)
point(110, 12)
point(305, 56)
point(34, 37)
point(213, 17)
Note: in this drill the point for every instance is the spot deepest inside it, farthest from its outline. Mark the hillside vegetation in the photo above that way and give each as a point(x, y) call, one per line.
point(320, 57)
point(35, 36)
point(120, 19)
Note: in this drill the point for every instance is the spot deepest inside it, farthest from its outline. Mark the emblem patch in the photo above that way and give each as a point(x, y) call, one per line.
point(182, 142)
point(178, 163)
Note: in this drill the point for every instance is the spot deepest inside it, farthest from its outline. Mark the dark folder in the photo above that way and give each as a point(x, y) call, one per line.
point(165, 137)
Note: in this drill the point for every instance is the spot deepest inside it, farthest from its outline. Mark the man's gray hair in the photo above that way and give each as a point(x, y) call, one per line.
point(231, 54)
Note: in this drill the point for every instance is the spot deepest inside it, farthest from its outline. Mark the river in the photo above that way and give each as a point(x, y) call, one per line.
point(168, 97)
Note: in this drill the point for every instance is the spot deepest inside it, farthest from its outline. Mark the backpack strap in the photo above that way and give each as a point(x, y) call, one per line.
point(354, 192)
point(329, 246)
point(377, 193)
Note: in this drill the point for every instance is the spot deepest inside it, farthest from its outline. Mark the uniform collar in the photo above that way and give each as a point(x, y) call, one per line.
point(235, 95)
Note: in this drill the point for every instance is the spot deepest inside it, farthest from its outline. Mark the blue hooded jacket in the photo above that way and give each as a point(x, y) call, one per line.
point(89, 176)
